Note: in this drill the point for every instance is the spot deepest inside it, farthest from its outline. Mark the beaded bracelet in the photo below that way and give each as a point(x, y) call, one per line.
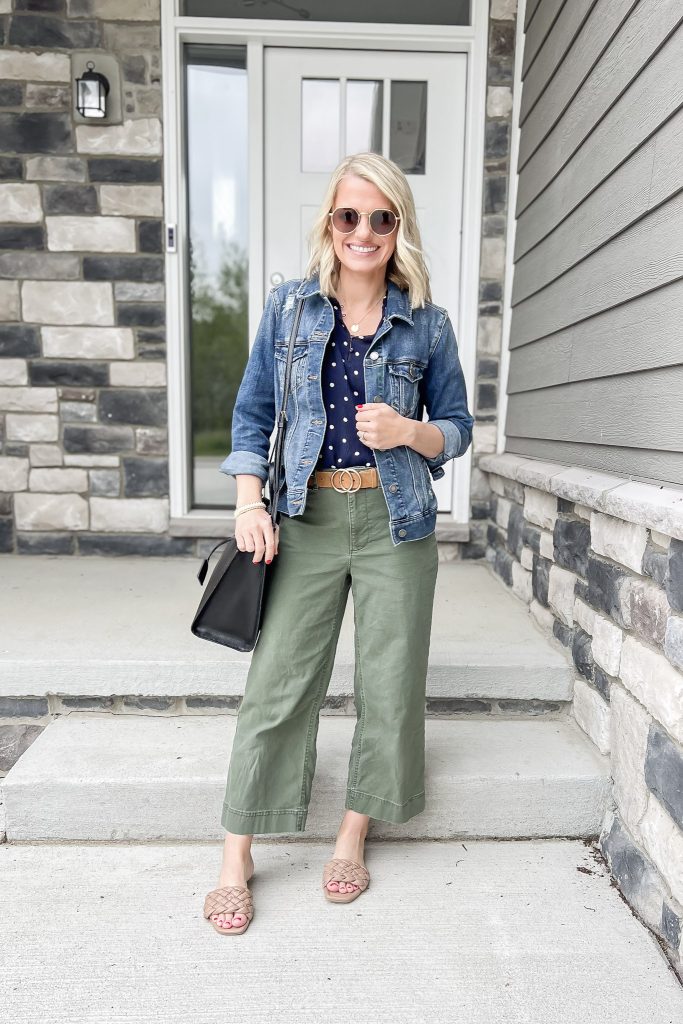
point(252, 504)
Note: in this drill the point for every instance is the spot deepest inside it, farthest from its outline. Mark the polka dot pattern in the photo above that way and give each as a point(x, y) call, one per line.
point(343, 380)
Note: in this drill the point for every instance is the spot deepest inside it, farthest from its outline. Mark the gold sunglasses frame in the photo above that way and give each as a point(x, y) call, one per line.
point(368, 214)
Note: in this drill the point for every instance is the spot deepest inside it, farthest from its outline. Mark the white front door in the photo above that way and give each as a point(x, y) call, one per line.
point(324, 104)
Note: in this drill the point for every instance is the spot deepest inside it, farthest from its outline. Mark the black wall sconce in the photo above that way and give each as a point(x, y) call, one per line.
point(92, 89)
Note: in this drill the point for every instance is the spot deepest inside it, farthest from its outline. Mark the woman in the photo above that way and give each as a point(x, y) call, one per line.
point(372, 351)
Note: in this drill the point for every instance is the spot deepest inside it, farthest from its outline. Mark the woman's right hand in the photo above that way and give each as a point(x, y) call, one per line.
point(254, 532)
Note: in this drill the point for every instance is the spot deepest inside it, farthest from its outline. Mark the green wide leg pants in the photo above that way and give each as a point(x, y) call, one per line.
point(341, 541)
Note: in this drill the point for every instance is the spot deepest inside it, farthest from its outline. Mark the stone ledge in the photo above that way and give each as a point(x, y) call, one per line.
point(448, 532)
point(659, 508)
point(198, 525)
point(217, 525)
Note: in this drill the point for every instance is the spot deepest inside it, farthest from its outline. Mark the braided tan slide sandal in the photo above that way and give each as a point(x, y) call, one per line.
point(229, 899)
point(342, 870)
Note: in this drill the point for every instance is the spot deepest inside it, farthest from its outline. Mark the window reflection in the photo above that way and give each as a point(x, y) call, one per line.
point(408, 129)
point(399, 12)
point(216, 106)
point(363, 116)
point(319, 124)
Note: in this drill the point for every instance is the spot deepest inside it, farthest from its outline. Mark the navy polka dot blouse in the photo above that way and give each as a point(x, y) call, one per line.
point(343, 389)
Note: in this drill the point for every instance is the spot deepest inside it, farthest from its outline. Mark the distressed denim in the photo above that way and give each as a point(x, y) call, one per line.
point(411, 364)
point(339, 543)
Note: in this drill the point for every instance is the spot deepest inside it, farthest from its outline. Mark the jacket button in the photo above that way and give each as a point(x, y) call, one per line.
point(401, 533)
point(393, 487)
point(374, 355)
point(377, 398)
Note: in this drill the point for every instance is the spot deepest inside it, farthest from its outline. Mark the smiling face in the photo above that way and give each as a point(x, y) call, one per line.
point(362, 195)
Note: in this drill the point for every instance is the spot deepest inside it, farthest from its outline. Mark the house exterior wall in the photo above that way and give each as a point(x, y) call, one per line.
point(83, 404)
point(596, 363)
point(599, 561)
point(83, 465)
point(586, 518)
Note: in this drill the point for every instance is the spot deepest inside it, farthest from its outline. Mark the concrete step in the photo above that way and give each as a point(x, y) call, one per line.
point(121, 626)
point(94, 777)
point(511, 932)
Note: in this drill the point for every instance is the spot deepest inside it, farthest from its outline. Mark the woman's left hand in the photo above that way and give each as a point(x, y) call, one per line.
point(378, 425)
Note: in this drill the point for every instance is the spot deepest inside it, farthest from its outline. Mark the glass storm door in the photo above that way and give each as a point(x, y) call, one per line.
point(324, 104)
point(217, 199)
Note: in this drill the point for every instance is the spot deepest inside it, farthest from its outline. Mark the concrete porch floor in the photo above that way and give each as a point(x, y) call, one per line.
point(513, 930)
point(473, 932)
point(122, 625)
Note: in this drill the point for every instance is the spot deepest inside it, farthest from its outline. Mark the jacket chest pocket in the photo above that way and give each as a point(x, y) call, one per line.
point(299, 364)
point(404, 378)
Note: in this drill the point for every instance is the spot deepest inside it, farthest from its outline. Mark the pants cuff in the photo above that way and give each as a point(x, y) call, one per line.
point(250, 822)
point(385, 810)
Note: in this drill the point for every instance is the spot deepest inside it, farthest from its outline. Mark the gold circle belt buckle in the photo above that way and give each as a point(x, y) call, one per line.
point(352, 473)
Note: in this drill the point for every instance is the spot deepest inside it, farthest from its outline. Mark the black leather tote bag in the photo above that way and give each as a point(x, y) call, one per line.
point(232, 606)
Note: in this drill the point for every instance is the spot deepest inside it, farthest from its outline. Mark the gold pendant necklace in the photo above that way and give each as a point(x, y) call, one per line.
point(356, 327)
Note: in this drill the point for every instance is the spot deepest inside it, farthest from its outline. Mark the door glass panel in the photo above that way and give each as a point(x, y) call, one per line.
point(399, 12)
point(217, 196)
point(363, 117)
point(319, 124)
point(408, 126)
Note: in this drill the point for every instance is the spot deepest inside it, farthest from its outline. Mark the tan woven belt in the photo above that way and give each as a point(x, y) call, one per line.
point(345, 479)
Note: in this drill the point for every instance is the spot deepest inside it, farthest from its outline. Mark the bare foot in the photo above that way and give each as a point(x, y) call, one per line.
point(236, 869)
point(350, 846)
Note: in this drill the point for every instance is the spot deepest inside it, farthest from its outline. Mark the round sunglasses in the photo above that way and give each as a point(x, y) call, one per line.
point(346, 219)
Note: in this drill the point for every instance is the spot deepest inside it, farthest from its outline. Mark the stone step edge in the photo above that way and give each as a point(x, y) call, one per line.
point(44, 709)
point(228, 679)
point(486, 779)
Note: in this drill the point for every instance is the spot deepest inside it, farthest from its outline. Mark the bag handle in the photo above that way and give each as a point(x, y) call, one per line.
point(276, 466)
point(204, 568)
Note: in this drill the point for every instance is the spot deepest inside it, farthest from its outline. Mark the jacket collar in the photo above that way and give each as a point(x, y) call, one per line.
point(398, 300)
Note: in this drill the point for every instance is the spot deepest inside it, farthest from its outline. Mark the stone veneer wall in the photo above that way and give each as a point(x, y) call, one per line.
point(599, 561)
point(83, 439)
point(83, 464)
point(484, 402)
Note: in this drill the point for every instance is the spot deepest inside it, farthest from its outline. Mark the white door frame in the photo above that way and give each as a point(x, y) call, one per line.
point(257, 34)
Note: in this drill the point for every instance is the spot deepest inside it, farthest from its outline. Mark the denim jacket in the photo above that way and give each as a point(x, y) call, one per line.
point(412, 364)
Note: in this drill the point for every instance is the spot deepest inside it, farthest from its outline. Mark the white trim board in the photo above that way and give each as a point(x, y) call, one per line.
point(256, 34)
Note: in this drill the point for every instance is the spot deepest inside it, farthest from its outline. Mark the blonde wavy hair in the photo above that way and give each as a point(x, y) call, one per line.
point(406, 265)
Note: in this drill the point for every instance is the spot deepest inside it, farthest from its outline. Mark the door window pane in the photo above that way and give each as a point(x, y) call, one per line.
point(216, 162)
point(363, 117)
point(408, 129)
point(399, 12)
point(319, 124)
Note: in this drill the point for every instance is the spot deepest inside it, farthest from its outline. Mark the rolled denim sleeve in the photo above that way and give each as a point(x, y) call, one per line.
point(253, 416)
point(445, 397)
